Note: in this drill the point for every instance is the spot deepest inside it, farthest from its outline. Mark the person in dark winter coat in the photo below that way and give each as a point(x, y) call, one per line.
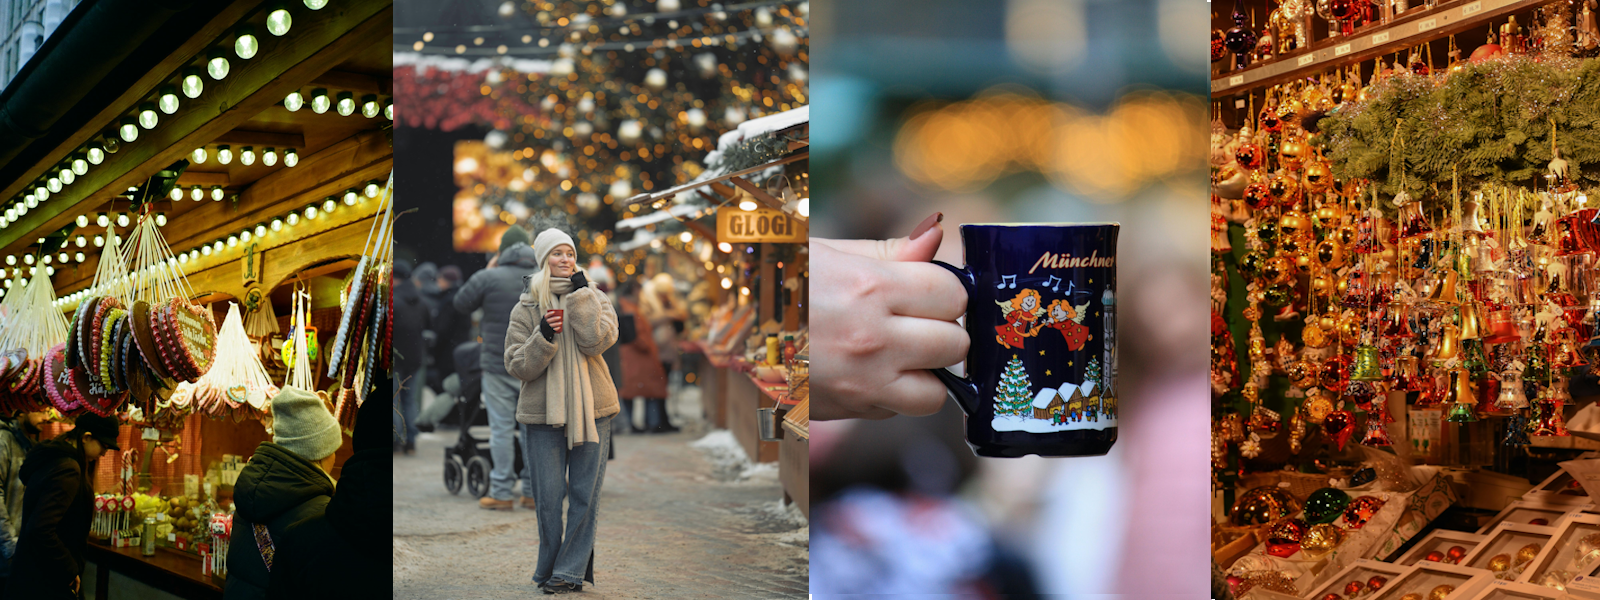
point(285, 484)
point(450, 328)
point(410, 320)
point(345, 553)
point(496, 290)
point(641, 368)
point(57, 510)
point(17, 437)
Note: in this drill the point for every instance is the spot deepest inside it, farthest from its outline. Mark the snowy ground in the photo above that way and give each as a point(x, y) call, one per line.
point(1017, 423)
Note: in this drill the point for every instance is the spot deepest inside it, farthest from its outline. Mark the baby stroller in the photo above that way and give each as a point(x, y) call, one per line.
point(469, 461)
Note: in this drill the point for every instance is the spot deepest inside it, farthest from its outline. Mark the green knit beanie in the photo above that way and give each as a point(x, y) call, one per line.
point(513, 235)
point(302, 424)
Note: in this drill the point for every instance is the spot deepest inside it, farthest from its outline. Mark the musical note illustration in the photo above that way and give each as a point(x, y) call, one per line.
point(1007, 281)
point(1054, 283)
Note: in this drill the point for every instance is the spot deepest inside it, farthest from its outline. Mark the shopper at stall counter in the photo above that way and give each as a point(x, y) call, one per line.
point(17, 436)
point(496, 290)
point(410, 321)
point(57, 510)
point(285, 483)
point(565, 406)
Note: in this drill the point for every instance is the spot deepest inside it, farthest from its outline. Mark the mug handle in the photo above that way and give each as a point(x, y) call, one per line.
point(961, 388)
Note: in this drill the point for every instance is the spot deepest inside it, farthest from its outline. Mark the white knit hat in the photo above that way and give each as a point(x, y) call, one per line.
point(548, 240)
point(302, 424)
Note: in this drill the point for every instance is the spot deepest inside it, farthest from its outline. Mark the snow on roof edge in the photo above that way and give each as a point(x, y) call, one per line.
point(458, 65)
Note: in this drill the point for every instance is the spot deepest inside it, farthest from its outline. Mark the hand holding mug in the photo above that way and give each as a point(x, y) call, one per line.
point(553, 317)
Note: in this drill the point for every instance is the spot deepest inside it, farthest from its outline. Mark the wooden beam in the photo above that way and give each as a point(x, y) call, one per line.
point(356, 83)
point(124, 104)
point(284, 65)
point(202, 179)
point(759, 193)
point(281, 263)
point(265, 139)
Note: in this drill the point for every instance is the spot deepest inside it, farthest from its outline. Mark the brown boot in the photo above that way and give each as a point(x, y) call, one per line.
point(489, 503)
point(527, 503)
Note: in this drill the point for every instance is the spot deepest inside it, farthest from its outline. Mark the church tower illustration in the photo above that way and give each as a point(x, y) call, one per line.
point(1109, 372)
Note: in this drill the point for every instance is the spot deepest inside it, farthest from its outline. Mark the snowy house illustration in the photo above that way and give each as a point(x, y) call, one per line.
point(1090, 390)
point(1047, 404)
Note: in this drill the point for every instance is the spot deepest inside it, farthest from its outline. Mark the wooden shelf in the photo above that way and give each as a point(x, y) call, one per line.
point(1411, 29)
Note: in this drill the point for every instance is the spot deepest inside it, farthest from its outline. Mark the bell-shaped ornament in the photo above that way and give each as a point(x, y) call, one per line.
point(1449, 343)
point(1473, 359)
point(1413, 222)
point(1564, 352)
point(1396, 323)
point(1542, 224)
point(1367, 241)
point(1410, 377)
point(1567, 243)
point(1512, 397)
point(1483, 258)
point(1432, 395)
point(1445, 292)
point(1472, 218)
point(1469, 321)
point(1502, 330)
point(1463, 397)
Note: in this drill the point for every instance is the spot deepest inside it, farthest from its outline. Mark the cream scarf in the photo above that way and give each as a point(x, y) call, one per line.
point(568, 391)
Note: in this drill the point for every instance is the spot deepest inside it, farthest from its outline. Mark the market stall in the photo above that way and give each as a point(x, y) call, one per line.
point(743, 229)
point(222, 189)
point(1404, 296)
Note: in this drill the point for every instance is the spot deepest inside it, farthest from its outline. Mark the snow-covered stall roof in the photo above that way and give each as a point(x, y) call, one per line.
point(753, 128)
point(656, 217)
point(453, 64)
point(1045, 397)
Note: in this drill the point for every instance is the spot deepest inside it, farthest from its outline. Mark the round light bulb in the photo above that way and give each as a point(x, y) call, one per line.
point(192, 83)
point(11, 259)
point(41, 193)
point(49, 259)
point(347, 104)
point(27, 259)
point(183, 258)
point(290, 157)
point(81, 241)
point(79, 257)
point(199, 155)
point(328, 205)
point(244, 236)
point(99, 241)
point(320, 102)
point(50, 271)
point(224, 155)
point(122, 219)
point(388, 109)
point(168, 102)
point(261, 230)
point(350, 197)
point(316, 4)
point(277, 224)
point(216, 192)
point(27, 203)
point(148, 117)
point(161, 219)
point(294, 101)
point(177, 194)
point(129, 131)
point(233, 240)
point(103, 220)
point(96, 154)
point(292, 219)
point(727, 283)
point(247, 156)
point(80, 165)
point(371, 191)
point(369, 106)
point(67, 176)
point(217, 246)
point(217, 65)
point(82, 221)
point(270, 157)
point(53, 184)
point(206, 250)
point(195, 193)
point(311, 212)
point(246, 45)
point(279, 21)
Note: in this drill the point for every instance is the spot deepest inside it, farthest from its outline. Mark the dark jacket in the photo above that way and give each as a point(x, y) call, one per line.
point(280, 489)
point(346, 552)
point(450, 329)
point(410, 320)
point(497, 291)
point(57, 510)
point(14, 447)
point(469, 369)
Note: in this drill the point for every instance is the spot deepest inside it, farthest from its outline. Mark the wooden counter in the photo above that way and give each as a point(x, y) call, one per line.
point(170, 571)
point(794, 470)
point(742, 398)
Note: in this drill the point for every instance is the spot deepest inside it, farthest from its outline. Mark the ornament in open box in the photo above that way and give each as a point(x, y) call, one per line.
point(1531, 512)
point(1441, 546)
point(1361, 579)
point(1435, 581)
point(1509, 549)
point(1573, 550)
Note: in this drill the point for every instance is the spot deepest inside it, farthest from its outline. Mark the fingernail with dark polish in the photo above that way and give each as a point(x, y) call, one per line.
point(927, 224)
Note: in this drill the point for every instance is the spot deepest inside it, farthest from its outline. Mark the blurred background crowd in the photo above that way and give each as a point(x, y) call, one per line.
point(1032, 111)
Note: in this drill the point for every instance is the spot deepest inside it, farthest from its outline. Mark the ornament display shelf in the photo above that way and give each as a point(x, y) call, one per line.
point(1409, 30)
point(1361, 570)
point(1511, 590)
point(1439, 540)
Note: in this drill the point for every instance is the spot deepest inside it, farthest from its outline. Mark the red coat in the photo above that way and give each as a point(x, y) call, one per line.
point(1075, 333)
point(1016, 328)
point(642, 376)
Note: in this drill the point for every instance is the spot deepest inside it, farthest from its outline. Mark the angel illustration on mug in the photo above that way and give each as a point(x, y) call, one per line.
point(1025, 316)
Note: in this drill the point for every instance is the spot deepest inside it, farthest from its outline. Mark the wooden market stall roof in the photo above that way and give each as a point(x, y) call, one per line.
point(345, 47)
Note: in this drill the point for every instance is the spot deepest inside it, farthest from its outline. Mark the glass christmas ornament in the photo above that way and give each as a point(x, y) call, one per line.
point(1366, 367)
point(1526, 554)
point(1413, 222)
point(1318, 176)
point(1257, 196)
point(1326, 504)
point(1321, 539)
point(1239, 40)
point(1463, 397)
point(1396, 324)
point(1502, 329)
point(1283, 540)
point(1262, 505)
point(1338, 426)
point(1440, 592)
point(1249, 156)
point(1434, 555)
point(1293, 223)
point(1361, 510)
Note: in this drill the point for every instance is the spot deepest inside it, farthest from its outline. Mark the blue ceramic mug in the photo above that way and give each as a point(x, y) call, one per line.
point(1041, 312)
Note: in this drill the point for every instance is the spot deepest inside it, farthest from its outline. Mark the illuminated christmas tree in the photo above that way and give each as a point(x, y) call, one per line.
point(1016, 395)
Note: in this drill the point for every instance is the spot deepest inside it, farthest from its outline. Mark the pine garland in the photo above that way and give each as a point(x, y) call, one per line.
point(1492, 120)
point(759, 150)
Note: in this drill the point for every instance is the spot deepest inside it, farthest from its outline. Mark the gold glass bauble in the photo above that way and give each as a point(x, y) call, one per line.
point(1330, 254)
point(1411, 597)
point(1302, 373)
point(1329, 320)
point(1313, 336)
point(1292, 153)
point(1329, 214)
point(1303, 262)
point(1263, 505)
point(1318, 408)
point(1319, 177)
point(1350, 329)
point(1321, 539)
point(1500, 562)
point(1278, 269)
point(1526, 553)
point(1293, 223)
point(1440, 592)
point(1293, 244)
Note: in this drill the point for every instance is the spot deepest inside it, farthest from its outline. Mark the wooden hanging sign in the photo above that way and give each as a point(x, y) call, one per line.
point(759, 226)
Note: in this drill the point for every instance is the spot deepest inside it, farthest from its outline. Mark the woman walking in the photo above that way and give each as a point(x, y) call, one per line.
point(643, 375)
point(666, 314)
point(57, 509)
point(557, 333)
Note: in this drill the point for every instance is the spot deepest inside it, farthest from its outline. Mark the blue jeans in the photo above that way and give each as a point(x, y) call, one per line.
point(406, 402)
point(574, 475)
point(500, 398)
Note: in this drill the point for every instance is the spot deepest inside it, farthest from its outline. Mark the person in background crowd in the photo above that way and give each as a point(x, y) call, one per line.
point(557, 332)
point(410, 320)
point(57, 510)
point(286, 483)
point(666, 313)
point(450, 328)
point(496, 290)
point(602, 278)
point(17, 437)
point(426, 279)
point(642, 369)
